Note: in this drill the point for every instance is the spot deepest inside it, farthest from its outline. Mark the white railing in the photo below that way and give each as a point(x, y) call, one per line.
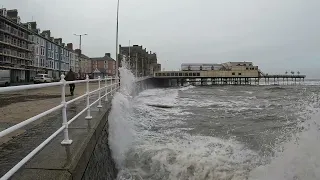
point(107, 88)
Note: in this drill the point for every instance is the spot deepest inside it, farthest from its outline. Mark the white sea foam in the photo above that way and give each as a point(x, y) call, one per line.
point(248, 92)
point(186, 88)
point(298, 158)
point(161, 152)
point(190, 157)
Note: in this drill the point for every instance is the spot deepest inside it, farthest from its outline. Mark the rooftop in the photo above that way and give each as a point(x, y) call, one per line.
point(106, 57)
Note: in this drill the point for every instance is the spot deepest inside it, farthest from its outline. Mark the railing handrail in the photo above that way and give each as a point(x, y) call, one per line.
point(28, 87)
point(109, 89)
point(38, 86)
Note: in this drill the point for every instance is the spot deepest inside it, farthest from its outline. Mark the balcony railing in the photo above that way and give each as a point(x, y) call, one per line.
point(8, 52)
point(107, 88)
point(7, 42)
point(16, 35)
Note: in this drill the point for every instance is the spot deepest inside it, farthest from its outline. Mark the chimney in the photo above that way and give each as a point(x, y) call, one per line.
point(3, 12)
point(33, 25)
point(107, 55)
point(46, 33)
point(70, 46)
point(12, 14)
point(78, 51)
point(58, 41)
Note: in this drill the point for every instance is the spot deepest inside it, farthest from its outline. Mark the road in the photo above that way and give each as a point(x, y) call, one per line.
point(16, 107)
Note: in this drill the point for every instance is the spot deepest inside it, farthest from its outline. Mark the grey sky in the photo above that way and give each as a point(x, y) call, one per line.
point(277, 35)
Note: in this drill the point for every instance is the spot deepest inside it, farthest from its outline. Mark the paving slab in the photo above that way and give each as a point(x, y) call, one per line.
point(72, 158)
point(42, 174)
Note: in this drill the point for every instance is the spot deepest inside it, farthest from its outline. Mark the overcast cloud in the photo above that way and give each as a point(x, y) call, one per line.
point(277, 35)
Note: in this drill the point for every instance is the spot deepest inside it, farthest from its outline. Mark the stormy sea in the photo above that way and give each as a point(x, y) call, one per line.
point(229, 132)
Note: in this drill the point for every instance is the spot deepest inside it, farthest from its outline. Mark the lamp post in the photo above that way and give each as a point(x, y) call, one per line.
point(117, 46)
point(80, 35)
point(129, 56)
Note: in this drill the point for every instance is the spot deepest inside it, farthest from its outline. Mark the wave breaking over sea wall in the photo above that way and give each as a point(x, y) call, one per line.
point(220, 133)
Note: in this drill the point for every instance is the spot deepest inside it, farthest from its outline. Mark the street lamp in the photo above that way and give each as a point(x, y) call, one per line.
point(117, 46)
point(80, 35)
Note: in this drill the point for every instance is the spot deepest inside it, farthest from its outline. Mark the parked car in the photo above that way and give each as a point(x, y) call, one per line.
point(4, 77)
point(42, 78)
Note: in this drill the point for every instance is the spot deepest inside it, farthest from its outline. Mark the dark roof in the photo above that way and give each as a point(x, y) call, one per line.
point(84, 56)
point(105, 58)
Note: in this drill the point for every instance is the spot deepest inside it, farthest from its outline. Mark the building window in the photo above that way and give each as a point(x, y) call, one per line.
point(42, 51)
point(56, 65)
point(198, 74)
point(37, 63)
point(233, 73)
point(239, 74)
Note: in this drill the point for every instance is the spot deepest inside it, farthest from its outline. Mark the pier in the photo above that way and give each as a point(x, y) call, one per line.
point(283, 79)
point(229, 73)
point(219, 77)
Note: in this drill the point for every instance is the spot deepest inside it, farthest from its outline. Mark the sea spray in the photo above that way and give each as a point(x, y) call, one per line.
point(163, 150)
point(121, 132)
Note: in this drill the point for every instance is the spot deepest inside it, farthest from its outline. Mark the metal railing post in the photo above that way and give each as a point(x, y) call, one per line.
point(99, 81)
point(111, 85)
point(117, 85)
point(66, 139)
point(106, 86)
point(88, 99)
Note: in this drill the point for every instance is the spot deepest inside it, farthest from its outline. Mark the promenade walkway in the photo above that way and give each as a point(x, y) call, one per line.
point(16, 107)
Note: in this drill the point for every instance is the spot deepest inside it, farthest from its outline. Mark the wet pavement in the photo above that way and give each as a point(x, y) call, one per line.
point(17, 107)
point(12, 151)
